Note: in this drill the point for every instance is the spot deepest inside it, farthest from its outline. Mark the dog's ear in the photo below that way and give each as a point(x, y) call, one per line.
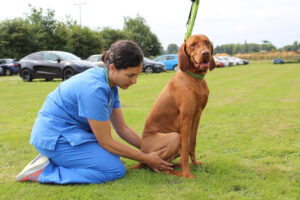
point(212, 63)
point(183, 60)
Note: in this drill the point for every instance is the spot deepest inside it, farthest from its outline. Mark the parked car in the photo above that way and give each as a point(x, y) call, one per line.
point(278, 61)
point(231, 62)
point(52, 64)
point(218, 62)
point(151, 66)
point(246, 62)
point(170, 60)
point(224, 61)
point(9, 66)
point(1, 71)
point(96, 59)
point(238, 61)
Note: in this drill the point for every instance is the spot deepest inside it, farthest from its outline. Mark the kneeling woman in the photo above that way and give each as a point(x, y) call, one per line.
point(72, 131)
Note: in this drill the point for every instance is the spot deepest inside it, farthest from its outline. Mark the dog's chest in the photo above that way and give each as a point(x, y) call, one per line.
point(201, 93)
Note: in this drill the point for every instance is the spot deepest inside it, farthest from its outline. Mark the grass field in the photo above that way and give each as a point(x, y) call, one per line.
point(248, 139)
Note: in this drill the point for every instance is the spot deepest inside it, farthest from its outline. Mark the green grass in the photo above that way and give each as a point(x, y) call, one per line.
point(248, 139)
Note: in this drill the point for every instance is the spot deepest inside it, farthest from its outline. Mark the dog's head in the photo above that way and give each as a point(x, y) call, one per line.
point(196, 54)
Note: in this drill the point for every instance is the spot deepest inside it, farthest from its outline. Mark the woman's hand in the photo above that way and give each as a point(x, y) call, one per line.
point(102, 132)
point(155, 162)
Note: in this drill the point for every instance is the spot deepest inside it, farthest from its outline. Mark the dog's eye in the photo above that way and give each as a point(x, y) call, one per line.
point(193, 45)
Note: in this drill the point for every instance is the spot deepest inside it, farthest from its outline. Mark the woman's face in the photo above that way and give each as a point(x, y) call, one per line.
point(124, 77)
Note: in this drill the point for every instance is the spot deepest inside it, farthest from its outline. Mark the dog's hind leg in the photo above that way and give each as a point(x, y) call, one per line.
point(157, 141)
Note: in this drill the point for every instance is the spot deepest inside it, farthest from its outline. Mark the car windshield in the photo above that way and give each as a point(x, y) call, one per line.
point(67, 56)
point(161, 58)
point(7, 61)
point(95, 58)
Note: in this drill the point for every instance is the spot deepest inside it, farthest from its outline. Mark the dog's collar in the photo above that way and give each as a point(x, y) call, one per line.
point(197, 76)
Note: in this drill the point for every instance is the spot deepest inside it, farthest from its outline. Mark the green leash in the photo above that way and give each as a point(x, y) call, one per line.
point(190, 25)
point(191, 19)
point(112, 91)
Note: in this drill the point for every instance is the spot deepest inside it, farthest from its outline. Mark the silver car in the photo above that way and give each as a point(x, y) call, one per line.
point(96, 59)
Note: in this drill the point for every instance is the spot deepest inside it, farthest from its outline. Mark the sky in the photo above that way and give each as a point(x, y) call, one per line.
point(223, 21)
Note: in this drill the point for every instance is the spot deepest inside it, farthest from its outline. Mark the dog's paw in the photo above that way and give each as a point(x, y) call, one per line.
point(197, 163)
point(188, 175)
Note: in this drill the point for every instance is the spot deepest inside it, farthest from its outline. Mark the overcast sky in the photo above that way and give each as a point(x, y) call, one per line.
point(223, 21)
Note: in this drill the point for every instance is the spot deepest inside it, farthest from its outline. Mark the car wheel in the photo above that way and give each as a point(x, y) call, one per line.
point(175, 68)
point(8, 72)
point(26, 75)
point(148, 70)
point(67, 73)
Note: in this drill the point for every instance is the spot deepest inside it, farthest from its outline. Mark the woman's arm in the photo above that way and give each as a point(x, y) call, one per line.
point(123, 130)
point(102, 131)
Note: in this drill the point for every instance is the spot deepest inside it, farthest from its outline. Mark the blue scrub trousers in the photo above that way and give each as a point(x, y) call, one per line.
point(85, 163)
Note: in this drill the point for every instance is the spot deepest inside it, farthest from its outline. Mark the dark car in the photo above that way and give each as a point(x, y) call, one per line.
point(52, 64)
point(9, 66)
point(151, 66)
point(246, 62)
point(278, 61)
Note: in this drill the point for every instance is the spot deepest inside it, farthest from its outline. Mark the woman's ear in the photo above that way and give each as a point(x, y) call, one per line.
point(183, 61)
point(112, 67)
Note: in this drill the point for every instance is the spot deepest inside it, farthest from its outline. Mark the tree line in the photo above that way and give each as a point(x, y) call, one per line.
point(233, 49)
point(38, 31)
point(266, 46)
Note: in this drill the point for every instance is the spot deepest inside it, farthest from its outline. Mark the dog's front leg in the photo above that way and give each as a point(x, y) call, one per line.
point(185, 131)
point(193, 138)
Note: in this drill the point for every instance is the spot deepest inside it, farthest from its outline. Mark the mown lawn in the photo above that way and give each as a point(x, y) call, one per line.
point(248, 139)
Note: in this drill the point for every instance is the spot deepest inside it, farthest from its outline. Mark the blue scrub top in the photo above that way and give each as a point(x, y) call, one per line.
point(67, 109)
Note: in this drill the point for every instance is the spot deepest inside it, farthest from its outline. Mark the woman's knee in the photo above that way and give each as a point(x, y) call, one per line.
point(122, 171)
point(116, 173)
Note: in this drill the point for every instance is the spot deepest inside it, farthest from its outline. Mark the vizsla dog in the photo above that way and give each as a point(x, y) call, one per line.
point(174, 118)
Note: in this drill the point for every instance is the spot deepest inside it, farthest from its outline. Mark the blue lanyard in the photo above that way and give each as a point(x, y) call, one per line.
point(112, 91)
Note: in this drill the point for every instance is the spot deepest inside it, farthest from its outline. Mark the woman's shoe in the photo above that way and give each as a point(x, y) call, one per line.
point(33, 170)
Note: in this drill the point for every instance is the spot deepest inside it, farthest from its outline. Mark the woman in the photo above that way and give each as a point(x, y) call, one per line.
point(72, 131)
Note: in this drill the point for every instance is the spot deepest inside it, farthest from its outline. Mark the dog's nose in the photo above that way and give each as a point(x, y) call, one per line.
point(205, 54)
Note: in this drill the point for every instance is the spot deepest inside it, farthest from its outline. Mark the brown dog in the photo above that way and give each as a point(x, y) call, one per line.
point(174, 118)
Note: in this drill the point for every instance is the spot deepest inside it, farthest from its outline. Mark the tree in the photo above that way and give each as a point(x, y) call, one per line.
point(42, 29)
point(266, 42)
point(14, 39)
point(83, 42)
point(267, 47)
point(110, 35)
point(172, 48)
point(138, 31)
point(288, 48)
point(295, 46)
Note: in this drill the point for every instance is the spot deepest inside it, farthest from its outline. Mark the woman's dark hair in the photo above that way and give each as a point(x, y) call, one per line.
point(123, 54)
